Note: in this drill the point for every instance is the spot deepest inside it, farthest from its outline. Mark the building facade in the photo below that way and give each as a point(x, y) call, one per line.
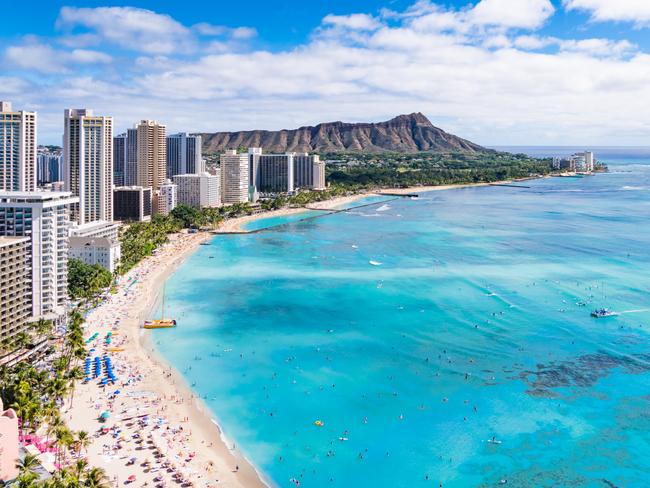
point(582, 162)
point(132, 204)
point(199, 191)
point(119, 159)
point(151, 155)
point(235, 178)
point(96, 250)
point(166, 198)
point(44, 218)
point(49, 166)
point(17, 149)
point(15, 285)
point(9, 446)
point(308, 172)
point(184, 154)
point(275, 173)
point(88, 162)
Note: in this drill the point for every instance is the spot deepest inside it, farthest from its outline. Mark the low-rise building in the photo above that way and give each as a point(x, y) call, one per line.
point(96, 250)
point(166, 198)
point(199, 191)
point(132, 204)
point(99, 228)
point(9, 446)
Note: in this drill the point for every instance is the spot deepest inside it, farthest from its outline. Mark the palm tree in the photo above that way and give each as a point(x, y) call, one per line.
point(78, 470)
point(83, 441)
point(28, 464)
point(27, 480)
point(96, 478)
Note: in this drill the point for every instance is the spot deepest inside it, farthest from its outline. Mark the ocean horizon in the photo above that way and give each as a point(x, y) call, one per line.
point(439, 340)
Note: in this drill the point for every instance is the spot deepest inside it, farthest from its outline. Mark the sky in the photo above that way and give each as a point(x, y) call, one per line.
point(497, 72)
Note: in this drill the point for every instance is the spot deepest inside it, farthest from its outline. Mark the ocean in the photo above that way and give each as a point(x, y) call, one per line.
point(464, 355)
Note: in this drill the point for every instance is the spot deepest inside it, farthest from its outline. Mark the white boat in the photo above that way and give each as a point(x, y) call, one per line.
point(374, 263)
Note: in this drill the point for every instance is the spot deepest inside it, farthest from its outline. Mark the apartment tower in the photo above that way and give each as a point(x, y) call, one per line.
point(151, 155)
point(88, 163)
point(184, 155)
point(18, 149)
point(234, 177)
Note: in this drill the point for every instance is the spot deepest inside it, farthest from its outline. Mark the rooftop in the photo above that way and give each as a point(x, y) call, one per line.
point(8, 241)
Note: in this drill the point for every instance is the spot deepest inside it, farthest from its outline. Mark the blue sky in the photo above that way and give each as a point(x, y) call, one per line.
point(494, 71)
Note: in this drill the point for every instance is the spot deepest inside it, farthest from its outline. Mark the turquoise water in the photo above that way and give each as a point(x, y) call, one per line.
point(475, 326)
point(269, 222)
point(265, 223)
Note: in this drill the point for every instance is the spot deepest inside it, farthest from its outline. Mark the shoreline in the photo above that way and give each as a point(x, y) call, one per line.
point(157, 390)
point(236, 225)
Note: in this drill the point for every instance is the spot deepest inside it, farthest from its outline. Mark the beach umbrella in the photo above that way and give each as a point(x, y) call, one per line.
point(117, 392)
point(131, 478)
point(105, 415)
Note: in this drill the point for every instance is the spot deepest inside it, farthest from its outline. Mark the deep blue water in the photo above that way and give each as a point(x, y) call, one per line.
point(476, 325)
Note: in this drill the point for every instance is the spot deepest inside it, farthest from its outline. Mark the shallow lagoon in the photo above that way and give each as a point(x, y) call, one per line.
point(475, 327)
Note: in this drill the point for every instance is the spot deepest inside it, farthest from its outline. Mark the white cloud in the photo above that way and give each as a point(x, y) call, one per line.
point(482, 80)
point(636, 11)
point(238, 33)
point(131, 28)
point(352, 21)
point(11, 85)
point(534, 42)
point(598, 47)
point(525, 14)
point(37, 56)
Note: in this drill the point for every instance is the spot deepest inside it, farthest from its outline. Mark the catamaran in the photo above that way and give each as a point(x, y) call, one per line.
point(161, 323)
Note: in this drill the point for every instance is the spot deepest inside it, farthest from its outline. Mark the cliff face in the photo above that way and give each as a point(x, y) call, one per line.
point(405, 133)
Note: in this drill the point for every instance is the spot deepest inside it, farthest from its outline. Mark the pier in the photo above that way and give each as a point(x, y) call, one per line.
point(509, 185)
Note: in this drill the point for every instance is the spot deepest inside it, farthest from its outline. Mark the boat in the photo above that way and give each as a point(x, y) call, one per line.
point(162, 322)
point(602, 313)
point(374, 263)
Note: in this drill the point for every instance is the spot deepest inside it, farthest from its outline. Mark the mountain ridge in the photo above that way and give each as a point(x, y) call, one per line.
point(408, 133)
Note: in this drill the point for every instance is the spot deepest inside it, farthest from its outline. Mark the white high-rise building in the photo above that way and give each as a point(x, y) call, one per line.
point(234, 177)
point(88, 163)
point(184, 154)
point(18, 149)
point(199, 191)
point(44, 217)
point(166, 198)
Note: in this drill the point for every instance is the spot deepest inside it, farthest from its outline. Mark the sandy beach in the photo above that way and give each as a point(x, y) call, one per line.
point(156, 430)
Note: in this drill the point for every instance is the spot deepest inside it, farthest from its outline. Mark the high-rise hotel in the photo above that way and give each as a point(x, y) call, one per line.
point(184, 155)
point(44, 218)
point(234, 177)
point(17, 149)
point(151, 154)
point(88, 163)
